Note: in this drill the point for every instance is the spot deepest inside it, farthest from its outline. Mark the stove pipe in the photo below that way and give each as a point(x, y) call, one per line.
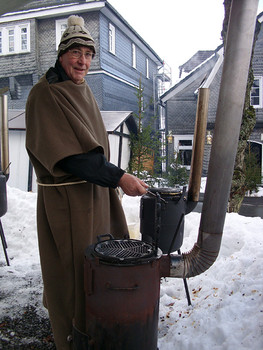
point(225, 140)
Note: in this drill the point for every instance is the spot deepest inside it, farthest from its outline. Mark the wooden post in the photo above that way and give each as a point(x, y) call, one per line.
point(4, 137)
point(199, 144)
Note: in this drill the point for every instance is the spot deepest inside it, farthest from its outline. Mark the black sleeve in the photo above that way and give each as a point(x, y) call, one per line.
point(92, 167)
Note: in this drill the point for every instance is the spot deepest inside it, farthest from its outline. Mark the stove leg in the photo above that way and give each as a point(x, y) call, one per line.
point(186, 287)
point(4, 243)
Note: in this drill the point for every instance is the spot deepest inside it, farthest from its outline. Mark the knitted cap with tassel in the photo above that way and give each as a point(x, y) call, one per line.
point(75, 34)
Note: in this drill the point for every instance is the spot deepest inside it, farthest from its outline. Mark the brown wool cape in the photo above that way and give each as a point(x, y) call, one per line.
point(63, 119)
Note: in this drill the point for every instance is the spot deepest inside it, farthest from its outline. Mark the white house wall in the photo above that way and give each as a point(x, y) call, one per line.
point(126, 151)
point(114, 148)
point(114, 141)
point(19, 160)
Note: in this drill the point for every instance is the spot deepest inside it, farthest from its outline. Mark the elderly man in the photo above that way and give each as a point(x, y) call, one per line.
point(68, 146)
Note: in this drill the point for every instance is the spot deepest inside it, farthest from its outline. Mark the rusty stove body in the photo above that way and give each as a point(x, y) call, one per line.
point(122, 277)
point(122, 295)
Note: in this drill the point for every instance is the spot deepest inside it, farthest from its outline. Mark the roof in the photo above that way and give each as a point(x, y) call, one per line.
point(112, 120)
point(211, 65)
point(34, 4)
point(16, 119)
point(7, 6)
point(48, 8)
point(199, 57)
point(22, 5)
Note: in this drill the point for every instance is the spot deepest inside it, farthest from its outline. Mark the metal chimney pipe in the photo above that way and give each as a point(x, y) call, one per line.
point(4, 137)
point(225, 140)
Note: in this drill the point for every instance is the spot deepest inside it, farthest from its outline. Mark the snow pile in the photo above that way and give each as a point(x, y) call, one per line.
point(227, 303)
point(227, 308)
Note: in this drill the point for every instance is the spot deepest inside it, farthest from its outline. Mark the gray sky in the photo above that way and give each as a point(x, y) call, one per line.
point(176, 29)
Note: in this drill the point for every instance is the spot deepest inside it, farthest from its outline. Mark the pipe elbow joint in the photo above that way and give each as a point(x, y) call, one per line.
point(199, 259)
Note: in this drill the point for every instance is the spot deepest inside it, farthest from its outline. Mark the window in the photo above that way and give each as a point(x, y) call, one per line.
point(111, 38)
point(133, 55)
point(24, 38)
point(183, 145)
point(61, 26)
point(15, 39)
point(147, 69)
point(11, 40)
point(256, 93)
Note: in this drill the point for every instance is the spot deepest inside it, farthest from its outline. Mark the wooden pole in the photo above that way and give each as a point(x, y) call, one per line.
point(199, 144)
point(4, 137)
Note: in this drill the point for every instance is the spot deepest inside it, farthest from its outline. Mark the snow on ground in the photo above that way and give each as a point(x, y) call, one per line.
point(227, 302)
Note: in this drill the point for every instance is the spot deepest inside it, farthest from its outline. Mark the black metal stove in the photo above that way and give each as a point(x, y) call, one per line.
point(162, 214)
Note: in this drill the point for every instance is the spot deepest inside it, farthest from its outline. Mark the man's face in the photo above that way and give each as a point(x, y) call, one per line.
point(76, 63)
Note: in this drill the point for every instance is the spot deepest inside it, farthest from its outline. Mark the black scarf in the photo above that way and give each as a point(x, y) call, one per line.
point(56, 74)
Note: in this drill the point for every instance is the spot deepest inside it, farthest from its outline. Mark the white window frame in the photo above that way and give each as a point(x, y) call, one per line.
point(133, 55)
point(112, 39)
point(17, 39)
point(178, 147)
point(61, 25)
point(147, 68)
point(260, 88)
point(11, 43)
point(27, 38)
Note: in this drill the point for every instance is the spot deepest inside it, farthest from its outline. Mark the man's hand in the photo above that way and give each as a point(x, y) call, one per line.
point(132, 186)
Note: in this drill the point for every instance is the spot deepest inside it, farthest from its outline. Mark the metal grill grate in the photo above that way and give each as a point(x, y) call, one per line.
point(124, 250)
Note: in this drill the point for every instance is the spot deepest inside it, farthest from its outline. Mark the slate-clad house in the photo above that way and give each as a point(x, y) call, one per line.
point(29, 38)
point(204, 69)
point(180, 104)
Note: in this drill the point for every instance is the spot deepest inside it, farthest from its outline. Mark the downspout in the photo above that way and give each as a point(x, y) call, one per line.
point(225, 139)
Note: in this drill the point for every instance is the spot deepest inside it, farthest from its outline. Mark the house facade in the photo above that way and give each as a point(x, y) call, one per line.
point(29, 42)
point(179, 103)
point(29, 39)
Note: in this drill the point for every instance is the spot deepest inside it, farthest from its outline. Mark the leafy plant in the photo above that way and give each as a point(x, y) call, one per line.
point(252, 172)
point(177, 174)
